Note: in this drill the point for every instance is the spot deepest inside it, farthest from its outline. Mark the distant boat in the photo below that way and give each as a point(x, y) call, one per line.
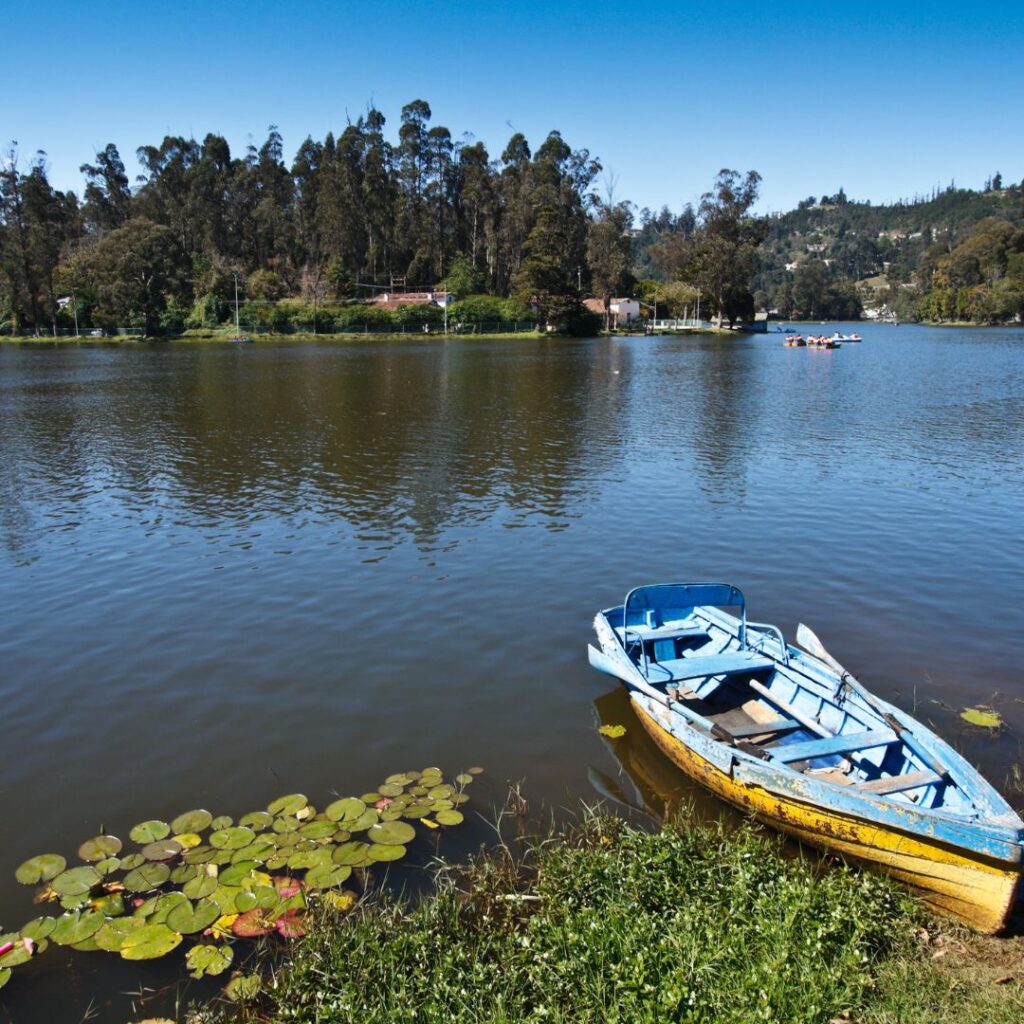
point(794, 341)
point(853, 338)
point(791, 737)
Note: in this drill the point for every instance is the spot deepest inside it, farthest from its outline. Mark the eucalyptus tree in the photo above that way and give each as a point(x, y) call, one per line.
point(108, 194)
point(610, 251)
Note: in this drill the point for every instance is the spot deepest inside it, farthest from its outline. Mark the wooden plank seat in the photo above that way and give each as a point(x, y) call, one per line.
point(729, 664)
point(662, 632)
point(844, 743)
point(774, 728)
point(899, 783)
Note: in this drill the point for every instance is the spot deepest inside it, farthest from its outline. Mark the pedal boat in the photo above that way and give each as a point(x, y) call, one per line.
point(797, 742)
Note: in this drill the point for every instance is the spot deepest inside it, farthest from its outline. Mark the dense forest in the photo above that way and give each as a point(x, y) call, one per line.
point(522, 236)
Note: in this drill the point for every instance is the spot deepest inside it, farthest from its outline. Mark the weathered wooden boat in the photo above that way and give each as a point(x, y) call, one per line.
point(790, 736)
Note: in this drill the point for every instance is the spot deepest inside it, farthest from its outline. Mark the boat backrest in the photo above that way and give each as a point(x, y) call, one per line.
point(663, 602)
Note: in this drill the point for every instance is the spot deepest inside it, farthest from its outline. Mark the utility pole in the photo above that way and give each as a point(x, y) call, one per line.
point(74, 308)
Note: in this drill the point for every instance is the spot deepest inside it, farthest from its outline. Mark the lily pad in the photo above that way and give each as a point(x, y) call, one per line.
point(243, 988)
point(290, 924)
point(113, 933)
point(188, 840)
point(132, 861)
point(75, 881)
point(286, 823)
point(149, 942)
point(99, 847)
point(165, 904)
point(258, 850)
point(354, 854)
point(391, 833)
point(199, 855)
point(208, 959)
point(111, 905)
point(364, 821)
point(386, 852)
point(291, 804)
point(77, 926)
point(150, 832)
point(5, 976)
point(41, 868)
point(612, 731)
point(464, 779)
point(38, 928)
point(237, 873)
point(107, 866)
point(253, 923)
point(257, 820)
point(449, 817)
point(441, 792)
point(390, 789)
point(192, 821)
point(475, 771)
point(327, 876)
point(982, 715)
point(147, 877)
point(417, 810)
point(318, 829)
point(340, 901)
point(185, 873)
point(222, 821)
point(77, 901)
point(348, 808)
point(20, 954)
point(200, 887)
point(162, 849)
point(224, 896)
point(189, 918)
point(232, 838)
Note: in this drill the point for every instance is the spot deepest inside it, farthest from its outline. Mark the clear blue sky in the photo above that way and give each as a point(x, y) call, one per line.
point(883, 99)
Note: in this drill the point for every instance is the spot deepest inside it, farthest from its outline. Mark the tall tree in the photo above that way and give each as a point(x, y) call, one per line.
point(610, 251)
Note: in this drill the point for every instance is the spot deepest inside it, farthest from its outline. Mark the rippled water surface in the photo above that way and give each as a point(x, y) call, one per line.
point(229, 573)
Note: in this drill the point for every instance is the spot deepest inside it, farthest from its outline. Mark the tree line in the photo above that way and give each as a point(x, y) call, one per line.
point(350, 215)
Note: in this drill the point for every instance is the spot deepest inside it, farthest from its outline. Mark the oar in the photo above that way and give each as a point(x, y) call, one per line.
point(808, 640)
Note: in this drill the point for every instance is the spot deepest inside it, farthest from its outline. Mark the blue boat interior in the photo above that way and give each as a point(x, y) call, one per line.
point(741, 683)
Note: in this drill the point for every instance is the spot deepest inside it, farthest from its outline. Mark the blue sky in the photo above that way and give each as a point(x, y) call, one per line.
point(886, 100)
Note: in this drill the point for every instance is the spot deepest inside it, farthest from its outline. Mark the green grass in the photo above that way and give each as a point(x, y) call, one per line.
point(610, 923)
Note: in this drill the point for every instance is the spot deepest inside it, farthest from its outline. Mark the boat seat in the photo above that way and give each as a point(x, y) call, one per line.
point(899, 783)
point(773, 728)
point(844, 743)
point(730, 664)
point(663, 632)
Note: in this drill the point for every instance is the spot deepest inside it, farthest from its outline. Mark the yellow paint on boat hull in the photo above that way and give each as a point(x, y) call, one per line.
point(974, 889)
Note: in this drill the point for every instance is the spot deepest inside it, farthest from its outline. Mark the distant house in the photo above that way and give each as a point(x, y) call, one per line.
point(623, 311)
point(392, 300)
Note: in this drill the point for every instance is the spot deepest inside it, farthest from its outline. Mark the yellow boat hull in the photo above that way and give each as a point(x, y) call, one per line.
point(974, 889)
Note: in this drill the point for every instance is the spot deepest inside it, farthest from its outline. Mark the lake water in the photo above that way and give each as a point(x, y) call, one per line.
point(234, 572)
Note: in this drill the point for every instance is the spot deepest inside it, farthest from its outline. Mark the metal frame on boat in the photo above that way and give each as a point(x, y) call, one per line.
point(793, 738)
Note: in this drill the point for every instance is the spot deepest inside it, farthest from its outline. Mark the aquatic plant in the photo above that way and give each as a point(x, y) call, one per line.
point(212, 882)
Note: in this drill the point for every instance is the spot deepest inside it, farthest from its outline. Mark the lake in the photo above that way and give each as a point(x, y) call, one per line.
point(234, 572)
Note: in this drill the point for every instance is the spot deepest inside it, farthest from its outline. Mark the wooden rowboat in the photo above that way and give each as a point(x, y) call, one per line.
point(794, 739)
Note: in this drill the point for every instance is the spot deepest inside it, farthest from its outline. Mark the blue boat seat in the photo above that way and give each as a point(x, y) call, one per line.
point(729, 664)
point(663, 632)
point(845, 743)
point(899, 783)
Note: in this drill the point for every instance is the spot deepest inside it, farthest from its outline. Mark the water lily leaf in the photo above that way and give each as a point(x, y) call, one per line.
point(162, 849)
point(222, 821)
point(417, 810)
point(463, 779)
point(236, 874)
point(188, 840)
point(192, 821)
point(199, 855)
point(38, 928)
point(475, 771)
point(318, 829)
point(258, 850)
point(149, 942)
point(459, 798)
point(200, 887)
point(287, 886)
point(340, 901)
point(243, 988)
point(391, 833)
point(370, 798)
point(221, 928)
point(224, 896)
point(390, 789)
point(113, 933)
point(257, 820)
point(983, 716)
point(20, 954)
point(429, 823)
point(232, 838)
point(75, 881)
point(107, 866)
point(150, 831)
point(364, 821)
point(290, 924)
point(441, 792)
point(266, 897)
point(77, 926)
point(286, 823)
point(354, 854)
point(76, 902)
point(327, 876)
point(131, 862)
point(207, 959)
point(147, 877)
point(391, 814)
point(5, 976)
point(291, 804)
point(245, 901)
point(386, 852)
point(449, 817)
point(253, 923)
point(185, 873)
point(347, 808)
point(165, 905)
point(612, 731)
point(99, 847)
point(189, 918)
point(86, 945)
point(41, 868)
point(111, 905)
point(306, 859)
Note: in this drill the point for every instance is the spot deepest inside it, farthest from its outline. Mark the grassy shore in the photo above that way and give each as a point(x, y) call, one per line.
point(609, 922)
